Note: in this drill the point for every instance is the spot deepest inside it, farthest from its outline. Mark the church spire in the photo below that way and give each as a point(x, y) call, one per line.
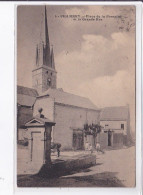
point(52, 58)
point(47, 43)
point(43, 49)
point(44, 61)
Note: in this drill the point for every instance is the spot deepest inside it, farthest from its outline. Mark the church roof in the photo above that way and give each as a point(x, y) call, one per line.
point(25, 100)
point(114, 113)
point(26, 96)
point(27, 91)
point(62, 97)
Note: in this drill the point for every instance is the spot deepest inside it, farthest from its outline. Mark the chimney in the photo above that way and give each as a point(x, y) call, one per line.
point(40, 112)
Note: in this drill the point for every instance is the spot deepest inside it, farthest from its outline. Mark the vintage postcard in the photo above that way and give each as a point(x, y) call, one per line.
point(76, 96)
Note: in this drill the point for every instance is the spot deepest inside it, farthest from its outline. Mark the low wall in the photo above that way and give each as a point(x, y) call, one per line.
point(61, 168)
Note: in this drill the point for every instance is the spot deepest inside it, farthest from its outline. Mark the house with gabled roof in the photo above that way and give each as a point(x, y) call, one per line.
point(115, 122)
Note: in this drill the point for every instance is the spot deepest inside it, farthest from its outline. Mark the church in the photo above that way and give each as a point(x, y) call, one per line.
point(69, 112)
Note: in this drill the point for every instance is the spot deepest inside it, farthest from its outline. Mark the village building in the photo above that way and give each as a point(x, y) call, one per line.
point(26, 98)
point(115, 122)
point(70, 113)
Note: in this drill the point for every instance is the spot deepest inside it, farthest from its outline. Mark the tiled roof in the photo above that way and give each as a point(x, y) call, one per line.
point(25, 100)
point(27, 91)
point(62, 97)
point(26, 96)
point(114, 113)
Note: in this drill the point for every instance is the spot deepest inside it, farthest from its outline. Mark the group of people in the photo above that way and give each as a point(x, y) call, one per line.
point(88, 147)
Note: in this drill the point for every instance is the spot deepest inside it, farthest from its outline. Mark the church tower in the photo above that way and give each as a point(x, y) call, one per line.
point(44, 73)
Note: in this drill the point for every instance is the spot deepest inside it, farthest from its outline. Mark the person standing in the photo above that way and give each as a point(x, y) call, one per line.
point(58, 149)
point(97, 147)
point(91, 148)
point(86, 145)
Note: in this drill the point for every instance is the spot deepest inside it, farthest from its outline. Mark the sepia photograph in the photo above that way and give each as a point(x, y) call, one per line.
point(76, 96)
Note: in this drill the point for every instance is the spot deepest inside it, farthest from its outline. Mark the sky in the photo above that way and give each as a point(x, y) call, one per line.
point(94, 58)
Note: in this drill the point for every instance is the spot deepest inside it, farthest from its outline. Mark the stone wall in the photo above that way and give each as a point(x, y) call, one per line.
point(68, 118)
point(37, 80)
point(117, 139)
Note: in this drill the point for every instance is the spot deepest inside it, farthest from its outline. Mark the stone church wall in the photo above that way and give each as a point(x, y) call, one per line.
point(68, 118)
point(37, 80)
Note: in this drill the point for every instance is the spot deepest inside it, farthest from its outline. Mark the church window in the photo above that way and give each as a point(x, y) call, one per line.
point(51, 73)
point(47, 72)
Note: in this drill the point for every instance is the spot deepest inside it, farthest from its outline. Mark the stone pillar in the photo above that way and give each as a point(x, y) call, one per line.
point(30, 148)
point(48, 144)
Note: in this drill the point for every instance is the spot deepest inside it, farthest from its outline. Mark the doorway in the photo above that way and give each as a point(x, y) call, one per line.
point(77, 140)
point(37, 147)
point(109, 138)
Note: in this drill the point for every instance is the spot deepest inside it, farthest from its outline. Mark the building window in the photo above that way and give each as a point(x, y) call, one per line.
point(122, 126)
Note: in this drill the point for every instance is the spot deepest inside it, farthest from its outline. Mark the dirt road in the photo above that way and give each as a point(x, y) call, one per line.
point(115, 168)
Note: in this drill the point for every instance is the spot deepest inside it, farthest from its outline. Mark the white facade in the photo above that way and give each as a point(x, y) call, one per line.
point(116, 126)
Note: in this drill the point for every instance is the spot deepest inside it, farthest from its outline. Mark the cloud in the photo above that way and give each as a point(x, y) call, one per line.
point(113, 90)
point(96, 57)
point(102, 70)
point(116, 90)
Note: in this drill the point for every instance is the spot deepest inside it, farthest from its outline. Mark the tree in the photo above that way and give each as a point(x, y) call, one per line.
point(92, 129)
